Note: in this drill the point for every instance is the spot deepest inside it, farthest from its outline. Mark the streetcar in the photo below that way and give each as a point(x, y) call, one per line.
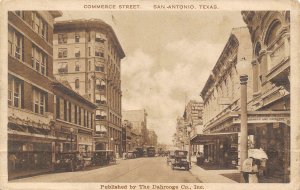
point(151, 151)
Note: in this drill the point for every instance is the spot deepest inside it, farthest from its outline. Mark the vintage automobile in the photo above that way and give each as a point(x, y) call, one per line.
point(180, 160)
point(131, 155)
point(70, 161)
point(103, 157)
point(139, 152)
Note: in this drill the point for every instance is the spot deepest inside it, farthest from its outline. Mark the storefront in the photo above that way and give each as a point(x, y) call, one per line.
point(29, 151)
point(270, 131)
point(85, 142)
point(220, 149)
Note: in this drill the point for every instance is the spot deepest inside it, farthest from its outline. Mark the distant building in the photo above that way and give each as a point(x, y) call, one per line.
point(138, 119)
point(180, 138)
point(126, 136)
point(88, 55)
point(193, 115)
point(152, 136)
point(30, 99)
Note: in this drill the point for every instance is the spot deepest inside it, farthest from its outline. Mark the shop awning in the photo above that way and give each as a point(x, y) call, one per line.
point(210, 137)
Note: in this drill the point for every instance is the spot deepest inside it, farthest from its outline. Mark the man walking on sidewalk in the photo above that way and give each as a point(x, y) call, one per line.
point(247, 168)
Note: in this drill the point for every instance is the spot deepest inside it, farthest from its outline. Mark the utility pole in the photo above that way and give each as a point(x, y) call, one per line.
point(244, 119)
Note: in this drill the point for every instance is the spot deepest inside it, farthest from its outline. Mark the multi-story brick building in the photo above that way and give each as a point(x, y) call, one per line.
point(270, 116)
point(221, 100)
point(74, 120)
point(30, 99)
point(88, 55)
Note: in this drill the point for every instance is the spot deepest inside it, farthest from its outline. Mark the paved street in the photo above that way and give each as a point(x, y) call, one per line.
point(140, 170)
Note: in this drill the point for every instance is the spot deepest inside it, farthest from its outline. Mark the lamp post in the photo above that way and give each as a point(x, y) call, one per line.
point(72, 131)
point(112, 144)
point(189, 129)
point(244, 118)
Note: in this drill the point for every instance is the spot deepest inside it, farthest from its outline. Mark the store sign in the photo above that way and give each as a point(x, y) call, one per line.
point(271, 118)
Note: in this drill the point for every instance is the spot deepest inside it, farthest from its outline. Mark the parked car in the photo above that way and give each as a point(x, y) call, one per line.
point(103, 157)
point(180, 160)
point(70, 161)
point(139, 152)
point(131, 155)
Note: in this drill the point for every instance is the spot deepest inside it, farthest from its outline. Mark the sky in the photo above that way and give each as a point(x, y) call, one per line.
point(169, 56)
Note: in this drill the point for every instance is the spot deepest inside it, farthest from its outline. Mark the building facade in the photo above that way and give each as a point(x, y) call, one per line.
point(221, 100)
point(193, 117)
point(74, 120)
point(138, 119)
point(152, 138)
point(181, 138)
point(88, 55)
point(126, 136)
point(270, 125)
point(31, 135)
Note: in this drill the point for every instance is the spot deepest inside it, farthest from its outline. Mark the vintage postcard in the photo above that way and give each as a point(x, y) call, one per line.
point(151, 95)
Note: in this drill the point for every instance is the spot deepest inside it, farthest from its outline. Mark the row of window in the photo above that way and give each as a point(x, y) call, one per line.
point(63, 67)
point(63, 52)
point(114, 119)
point(39, 59)
point(38, 24)
point(63, 38)
point(16, 96)
point(70, 112)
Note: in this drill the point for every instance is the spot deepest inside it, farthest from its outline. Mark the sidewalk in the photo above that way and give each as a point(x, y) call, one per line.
point(27, 173)
point(215, 176)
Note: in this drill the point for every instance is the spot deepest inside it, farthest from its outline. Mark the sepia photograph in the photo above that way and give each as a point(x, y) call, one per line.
point(112, 96)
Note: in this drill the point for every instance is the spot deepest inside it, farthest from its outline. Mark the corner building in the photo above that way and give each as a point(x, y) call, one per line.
point(88, 55)
point(30, 127)
point(270, 117)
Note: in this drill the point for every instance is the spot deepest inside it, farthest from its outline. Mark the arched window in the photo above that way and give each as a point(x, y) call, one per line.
point(77, 83)
point(272, 32)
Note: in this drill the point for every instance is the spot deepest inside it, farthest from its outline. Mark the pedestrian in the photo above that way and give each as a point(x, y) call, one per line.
point(35, 156)
point(253, 175)
point(247, 168)
point(12, 158)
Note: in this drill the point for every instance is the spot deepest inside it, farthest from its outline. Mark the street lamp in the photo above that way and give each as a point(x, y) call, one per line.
point(244, 120)
point(112, 145)
point(189, 129)
point(72, 131)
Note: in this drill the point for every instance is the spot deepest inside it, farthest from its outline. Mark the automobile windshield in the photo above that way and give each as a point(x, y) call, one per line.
point(181, 153)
